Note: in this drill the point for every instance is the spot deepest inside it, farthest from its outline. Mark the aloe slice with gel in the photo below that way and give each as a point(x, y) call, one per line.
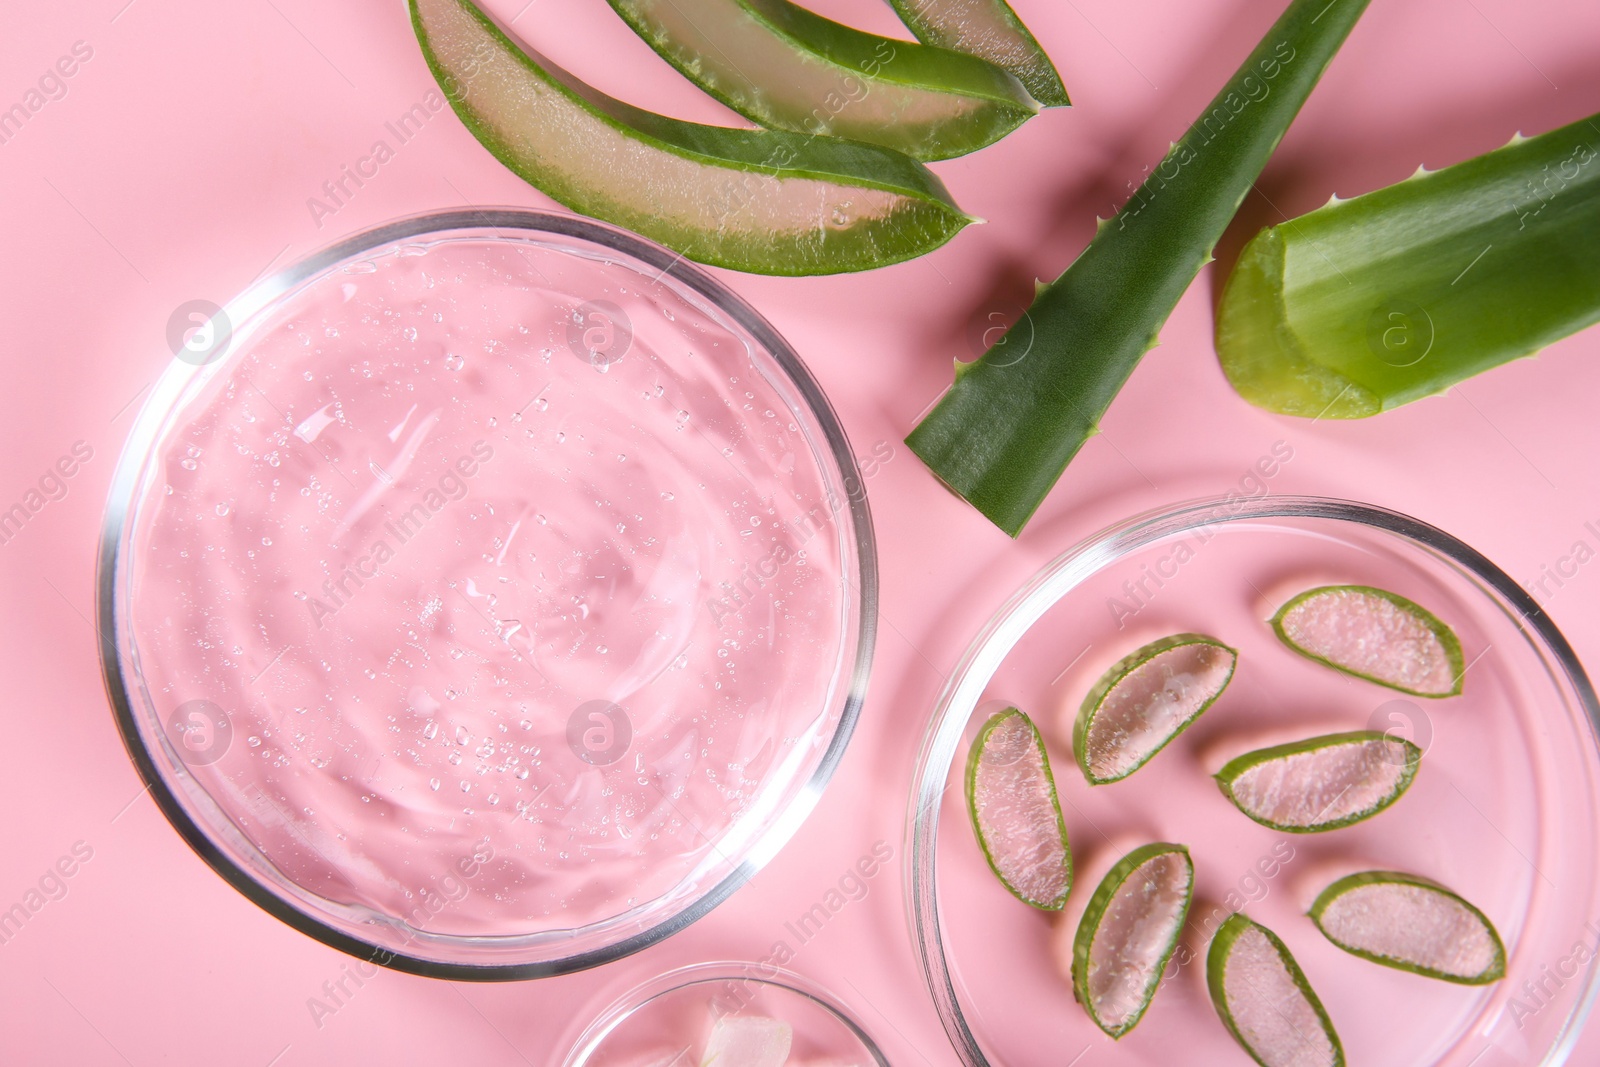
point(752, 200)
point(1011, 797)
point(779, 65)
point(1129, 930)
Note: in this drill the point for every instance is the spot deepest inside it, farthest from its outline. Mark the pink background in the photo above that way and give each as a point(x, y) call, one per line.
point(178, 166)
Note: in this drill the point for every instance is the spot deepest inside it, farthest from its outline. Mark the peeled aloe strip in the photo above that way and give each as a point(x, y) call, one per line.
point(990, 30)
point(1145, 700)
point(1009, 426)
point(1011, 798)
point(1321, 783)
point(752, 200)
point(782, 66)
point(1262, 997)
point(1129, 930)
point(1412, 924)
point(1376, 635)
point(1366, 304)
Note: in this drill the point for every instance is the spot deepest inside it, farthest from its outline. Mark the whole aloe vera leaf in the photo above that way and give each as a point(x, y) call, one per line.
point(1009, 425)
point(990, 30)
point(788, 69)
point(1366, 304)
point(752, 200)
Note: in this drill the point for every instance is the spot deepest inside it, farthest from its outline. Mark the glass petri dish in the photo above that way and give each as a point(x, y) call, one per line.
point(666, 1022)
point(488, 595)
point(1505, 808)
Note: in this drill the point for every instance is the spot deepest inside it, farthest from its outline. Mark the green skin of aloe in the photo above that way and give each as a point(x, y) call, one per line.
point(1366, 304)
point(991, 30)
point(1009, 426)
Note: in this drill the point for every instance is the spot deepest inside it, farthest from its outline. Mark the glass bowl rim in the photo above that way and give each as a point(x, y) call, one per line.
point(619, 1008)
point(506, 223)
point(1064, 572)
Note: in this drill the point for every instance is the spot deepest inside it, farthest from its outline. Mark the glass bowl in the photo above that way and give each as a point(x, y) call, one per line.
point(1505, 809)
point(665, 1022)
point(488, 595)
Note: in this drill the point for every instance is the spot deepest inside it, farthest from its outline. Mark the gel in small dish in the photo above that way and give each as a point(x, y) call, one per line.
point(729, 1014)
point(497, 597)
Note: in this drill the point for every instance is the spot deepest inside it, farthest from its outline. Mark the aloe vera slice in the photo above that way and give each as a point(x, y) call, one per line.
point(752, 200)
point(1376, 635)
point(1413, 924)
point(748, 1041)
point(782, 66)
point(1011, 797)
point(1322, 783)
point(1129, 930)
point(1145, 700)
point(1366, 304)
point(1008, 427)
point(1264, 1000)
point(990, 30)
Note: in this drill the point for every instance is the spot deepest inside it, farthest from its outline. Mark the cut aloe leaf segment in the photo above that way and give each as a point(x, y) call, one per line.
point(1321, 783)
point(990, 30)
point(748, 1041)
point(1374, 634)
point(1366, 304)
point(1129, 930)
point(1011, 797)
point(752, 200)
point(1264, 1000)
point(782, 66)
point(1008, 427)
point(1413, 924)
point(1145, 700)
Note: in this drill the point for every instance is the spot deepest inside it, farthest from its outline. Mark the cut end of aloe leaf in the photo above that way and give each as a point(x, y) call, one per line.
point(786, 68)
point(1322, 783)
point(1376, 635)
point(751, 200)
point(1128, 933)
point(1261, 353)
point(991, 30)
point(1145, 700)
point(1264, 1000)
point(1011, 797)
point(1410, 923)
point(748, 1041)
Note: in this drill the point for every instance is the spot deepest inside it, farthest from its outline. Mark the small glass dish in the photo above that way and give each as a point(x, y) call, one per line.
point(489, 595)
point(1505, 808)
point(665, 1022)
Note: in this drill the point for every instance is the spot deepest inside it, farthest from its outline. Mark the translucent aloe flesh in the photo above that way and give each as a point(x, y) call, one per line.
point(1413, 924)
point(748, 1041)
point(1322, 783)
point(1262, 997)
point(788, 69)
point(1008, 427)
point(753, 200)
point(1370, 303)
point(1129, 930)
point(1011, 797)
point(1145, 700)
point(991, 30)
point(1374, 634)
